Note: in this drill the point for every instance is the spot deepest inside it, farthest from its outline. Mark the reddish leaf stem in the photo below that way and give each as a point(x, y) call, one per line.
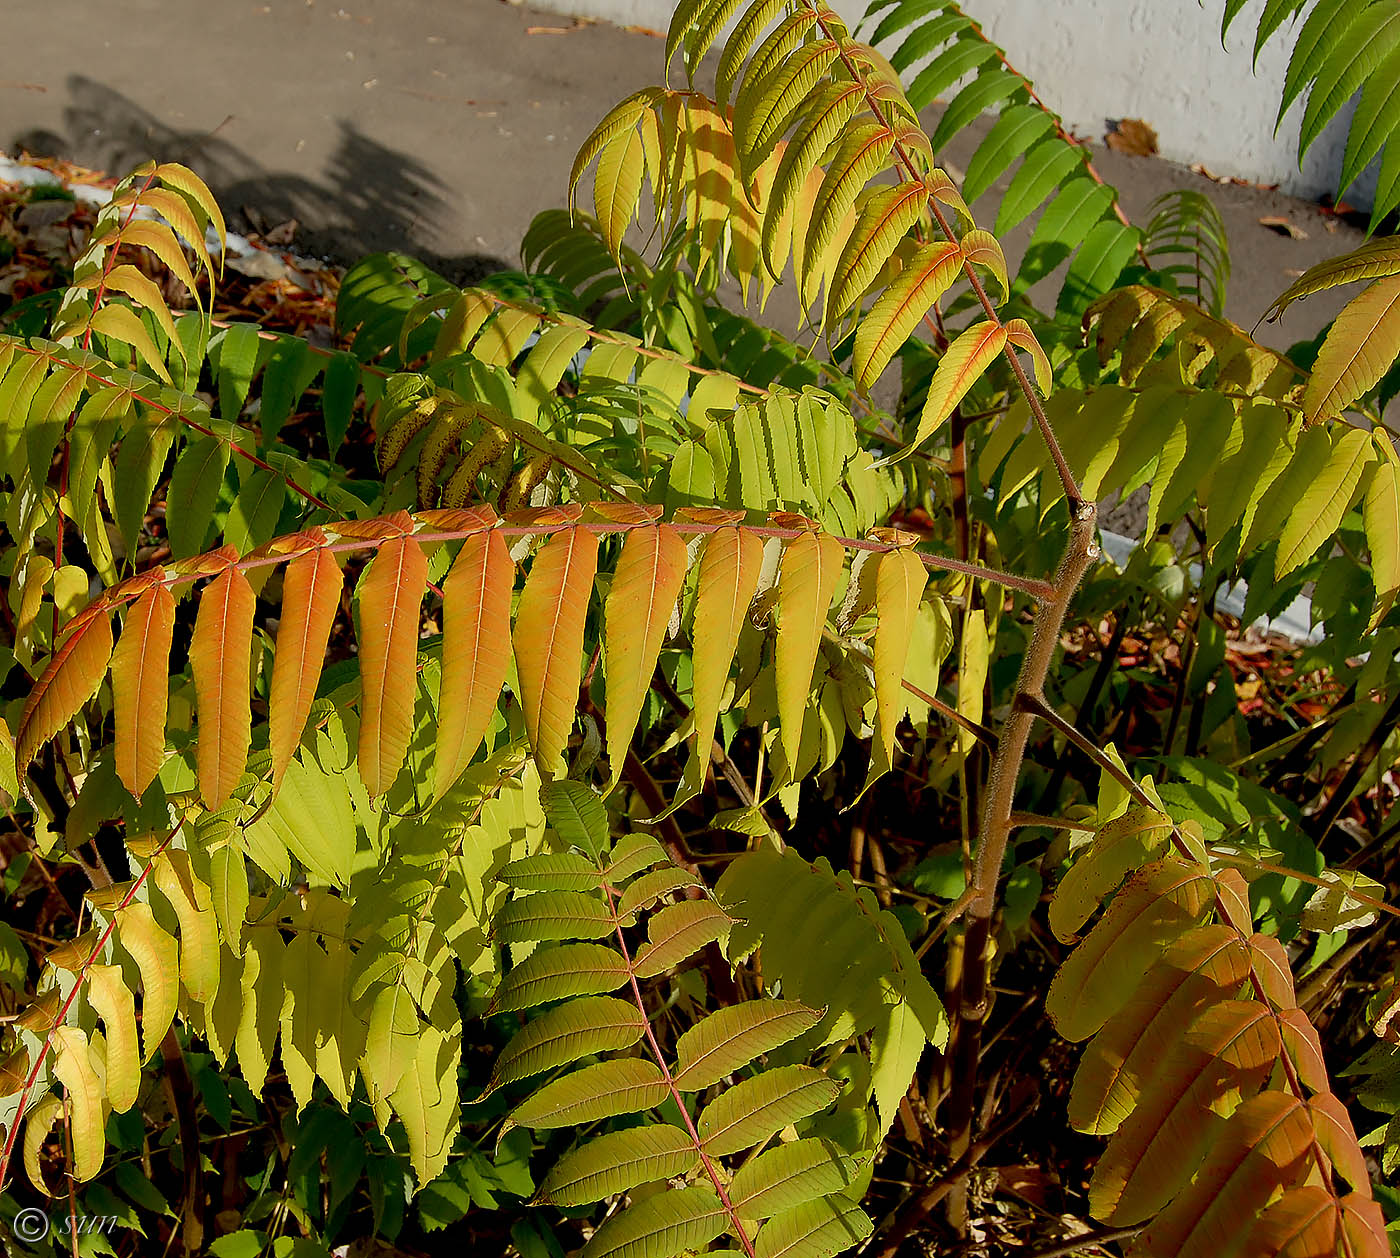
point(665, 1069)
point(33, 1077)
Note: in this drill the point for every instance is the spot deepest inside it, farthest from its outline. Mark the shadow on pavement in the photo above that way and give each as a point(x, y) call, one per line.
point(370, 198)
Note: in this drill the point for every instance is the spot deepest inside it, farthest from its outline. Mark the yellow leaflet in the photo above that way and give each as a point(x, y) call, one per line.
point(811, 565)
point(1361, 345)
point(958, 370)
point(75, 1069)
point(899, 585)
point(111, 998)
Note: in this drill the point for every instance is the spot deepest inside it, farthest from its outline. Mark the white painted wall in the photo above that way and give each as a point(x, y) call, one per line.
point(1158, 60)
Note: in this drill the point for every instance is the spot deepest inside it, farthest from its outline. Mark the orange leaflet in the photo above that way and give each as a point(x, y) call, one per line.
point(141, 688)
point(549, 640)
point(729, 571)
point(310, 596)
point(475, 650)
point(391, 596)
point(649, 577)
point(219, 658)
point(71, 679)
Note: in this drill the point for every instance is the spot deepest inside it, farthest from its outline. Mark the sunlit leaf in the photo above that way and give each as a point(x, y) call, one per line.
point(140, 686)
point(219, 659)
point(391, 596)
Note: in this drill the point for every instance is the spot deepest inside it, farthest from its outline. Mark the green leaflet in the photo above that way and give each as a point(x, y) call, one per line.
point(576, 813)
point(233, 355)
point(645, 891)
point(634, 853)
point(1065, 223)
point(622, 1085)
point(228, 884)
point(1122, 845)
point(548, 974)
point(1015, 132)
point(662, 1226)
point(618, 1161)
point(194, 488)
point(592, 1024)
point(138, 468)
point(986, 92)
point(553, 915)
point(49, 413)
point(550, 871)
point(755, 1109)
point(1044, 169)
point(809, 916)
point(310, 817)
point(1325, 500)
point(790, 1175)
point(960, 58)
point(730, 1038)
point(252, 520)
point(291, 369)
point(677, 932)
point(817, 1229)
point(1106, 249)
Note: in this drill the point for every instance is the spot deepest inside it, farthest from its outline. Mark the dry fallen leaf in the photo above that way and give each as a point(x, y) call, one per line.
point(1281, 224)
point(1131, 135)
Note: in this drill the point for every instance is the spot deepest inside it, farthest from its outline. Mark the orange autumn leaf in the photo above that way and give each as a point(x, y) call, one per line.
point(140, 686)
point(391, 597)
point(649, 575)
point(475, 650)
point(219, 659)
point(69, 681)
point(310, 597)
point(549, 640)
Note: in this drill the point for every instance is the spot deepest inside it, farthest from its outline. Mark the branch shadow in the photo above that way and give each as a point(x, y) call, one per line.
point(369, 198)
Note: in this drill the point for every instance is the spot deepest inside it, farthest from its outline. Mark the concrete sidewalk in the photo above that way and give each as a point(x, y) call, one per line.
point(436, 128)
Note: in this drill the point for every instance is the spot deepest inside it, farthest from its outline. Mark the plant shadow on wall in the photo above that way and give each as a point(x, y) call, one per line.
point(369, 197)
point(562, 737)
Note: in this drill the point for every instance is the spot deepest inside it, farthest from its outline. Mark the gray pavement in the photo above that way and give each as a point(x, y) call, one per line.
point(439, 127)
